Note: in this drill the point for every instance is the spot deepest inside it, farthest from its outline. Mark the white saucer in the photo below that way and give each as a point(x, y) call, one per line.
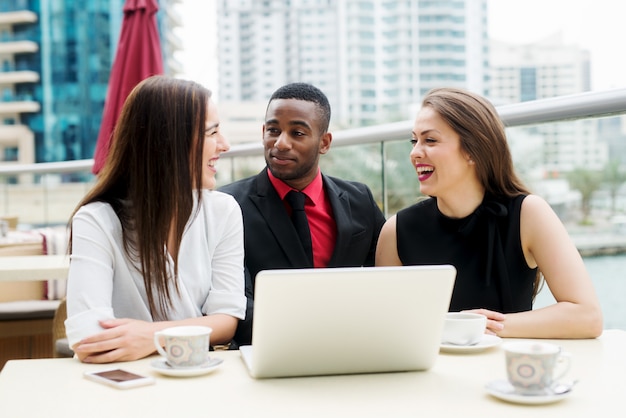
point(488, 341)
point(503, 390)
point(161, 365)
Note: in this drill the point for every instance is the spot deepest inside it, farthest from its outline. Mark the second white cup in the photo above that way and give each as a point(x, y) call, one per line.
point(463, 328)
point(185, 346)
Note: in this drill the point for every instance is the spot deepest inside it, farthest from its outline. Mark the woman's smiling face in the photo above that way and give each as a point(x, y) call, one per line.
point(441, 164)
point(214, 145)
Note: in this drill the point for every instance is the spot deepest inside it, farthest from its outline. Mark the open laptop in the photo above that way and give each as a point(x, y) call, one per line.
point(347, 320)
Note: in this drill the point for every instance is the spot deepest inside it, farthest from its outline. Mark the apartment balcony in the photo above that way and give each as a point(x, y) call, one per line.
point(18, 47)
point(15, 77)
point(17, 17)
point(19, 137)
point(19, 106)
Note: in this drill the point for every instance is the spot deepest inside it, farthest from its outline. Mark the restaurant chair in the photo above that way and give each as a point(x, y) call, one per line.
point(60, 344)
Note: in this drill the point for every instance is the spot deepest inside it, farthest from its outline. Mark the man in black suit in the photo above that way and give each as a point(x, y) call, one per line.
point(343, 218)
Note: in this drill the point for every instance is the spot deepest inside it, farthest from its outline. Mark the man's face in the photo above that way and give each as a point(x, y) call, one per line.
point(293, 141)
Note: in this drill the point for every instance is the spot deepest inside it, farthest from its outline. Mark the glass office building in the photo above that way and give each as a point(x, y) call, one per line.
point(56, 58)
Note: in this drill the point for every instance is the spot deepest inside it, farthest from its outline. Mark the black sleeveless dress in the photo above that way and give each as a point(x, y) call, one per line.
point(485, 248)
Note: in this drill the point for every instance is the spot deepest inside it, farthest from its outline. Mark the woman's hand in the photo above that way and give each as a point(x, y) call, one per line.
point(122, 340)
point(495, 320)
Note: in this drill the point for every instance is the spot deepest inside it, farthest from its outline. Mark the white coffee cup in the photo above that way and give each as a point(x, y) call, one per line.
point(533, 367)
point(463, 328)
point(185, 346)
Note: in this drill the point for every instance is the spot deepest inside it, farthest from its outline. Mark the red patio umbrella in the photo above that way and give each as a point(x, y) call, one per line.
point(138, 57)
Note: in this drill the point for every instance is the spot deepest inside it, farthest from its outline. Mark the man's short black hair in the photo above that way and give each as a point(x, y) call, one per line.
point(309, 93)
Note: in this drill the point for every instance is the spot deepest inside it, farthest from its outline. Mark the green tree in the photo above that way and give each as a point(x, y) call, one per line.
point(614, 177)
point(363, 163)
point(587, 183)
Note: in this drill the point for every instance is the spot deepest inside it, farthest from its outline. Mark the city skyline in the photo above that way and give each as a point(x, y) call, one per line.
point(596, 25)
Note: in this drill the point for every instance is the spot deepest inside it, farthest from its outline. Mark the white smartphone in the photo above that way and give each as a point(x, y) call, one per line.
point(118, 378)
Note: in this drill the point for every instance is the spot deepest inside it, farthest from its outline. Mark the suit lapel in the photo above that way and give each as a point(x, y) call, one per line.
point(342, 213)
point(273, 211)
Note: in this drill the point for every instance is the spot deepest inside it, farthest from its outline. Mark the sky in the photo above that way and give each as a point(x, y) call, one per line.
point(199, 34)
point(596, 25)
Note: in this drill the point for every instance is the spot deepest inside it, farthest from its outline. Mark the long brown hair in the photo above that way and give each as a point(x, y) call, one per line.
point(483, 138)
point(150, 173)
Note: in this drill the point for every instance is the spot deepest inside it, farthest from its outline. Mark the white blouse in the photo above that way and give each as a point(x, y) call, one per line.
point(104, 283)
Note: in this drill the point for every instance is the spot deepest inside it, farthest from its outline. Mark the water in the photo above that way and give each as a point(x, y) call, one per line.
point(609, 278)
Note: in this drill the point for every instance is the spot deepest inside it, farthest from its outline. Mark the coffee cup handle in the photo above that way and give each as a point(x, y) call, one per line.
point(563, 363)
point(157, 344)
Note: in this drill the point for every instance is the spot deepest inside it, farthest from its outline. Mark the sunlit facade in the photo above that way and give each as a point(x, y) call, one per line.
point(19, 74)
point(374, 59)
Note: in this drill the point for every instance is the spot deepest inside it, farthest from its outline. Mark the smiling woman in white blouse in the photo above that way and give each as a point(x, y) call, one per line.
point(152, 245)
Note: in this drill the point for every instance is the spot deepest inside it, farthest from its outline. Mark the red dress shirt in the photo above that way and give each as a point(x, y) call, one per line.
point(319, 214)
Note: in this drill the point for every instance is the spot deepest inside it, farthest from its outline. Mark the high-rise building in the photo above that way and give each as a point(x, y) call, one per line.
point(374, 59)
point(613, 131)
point(55, 61)
point(541, 70)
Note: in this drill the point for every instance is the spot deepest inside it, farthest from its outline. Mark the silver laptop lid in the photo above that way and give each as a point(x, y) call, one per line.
point(348, 320)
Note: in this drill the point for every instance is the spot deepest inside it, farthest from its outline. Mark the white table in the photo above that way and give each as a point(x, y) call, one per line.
point(454, 387)
point(34, 267)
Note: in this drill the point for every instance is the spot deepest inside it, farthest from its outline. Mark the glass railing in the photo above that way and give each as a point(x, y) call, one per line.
point(46, 193)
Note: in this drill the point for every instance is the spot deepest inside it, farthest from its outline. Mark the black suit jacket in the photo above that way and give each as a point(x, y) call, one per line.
point(271, 241)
